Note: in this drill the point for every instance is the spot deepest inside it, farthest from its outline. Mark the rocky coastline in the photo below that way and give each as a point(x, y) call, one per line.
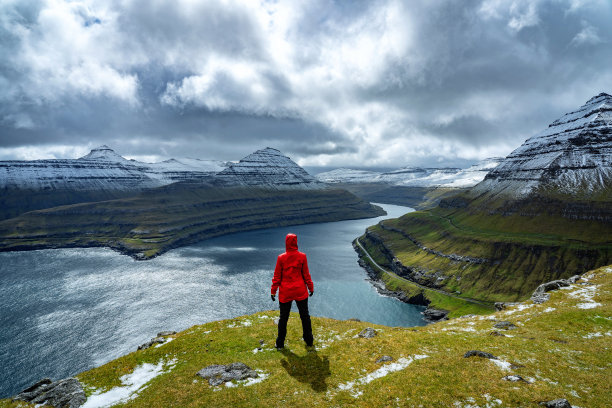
point(429, 314)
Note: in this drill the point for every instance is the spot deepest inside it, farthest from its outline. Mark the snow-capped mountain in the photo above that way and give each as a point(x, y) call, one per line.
point(102, 169)
point(415, 176)
point(574, 154)
point(268, 167)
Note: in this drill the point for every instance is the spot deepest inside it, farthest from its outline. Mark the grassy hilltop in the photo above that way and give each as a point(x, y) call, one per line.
point(561, 349)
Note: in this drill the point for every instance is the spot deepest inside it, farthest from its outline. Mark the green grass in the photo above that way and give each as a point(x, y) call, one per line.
point(563, 350)
point(456, 307)
point(522, 251)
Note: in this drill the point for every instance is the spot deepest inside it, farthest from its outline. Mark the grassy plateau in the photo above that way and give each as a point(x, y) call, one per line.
point(558, 349)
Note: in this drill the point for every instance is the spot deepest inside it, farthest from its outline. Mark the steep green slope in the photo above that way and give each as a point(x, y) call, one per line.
point(491, 257)
point(560, 349)
point(161, 219)
point(14, 201)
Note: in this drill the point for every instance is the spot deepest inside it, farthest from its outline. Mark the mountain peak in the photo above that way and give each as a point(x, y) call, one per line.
point(602, 96)
point(571, 156)
point(268, 167)
point(103, 153)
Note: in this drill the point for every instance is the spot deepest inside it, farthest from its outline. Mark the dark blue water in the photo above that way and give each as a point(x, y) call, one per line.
point(64, 311)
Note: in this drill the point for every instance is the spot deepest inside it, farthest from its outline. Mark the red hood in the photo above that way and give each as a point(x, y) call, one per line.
point(291, 242)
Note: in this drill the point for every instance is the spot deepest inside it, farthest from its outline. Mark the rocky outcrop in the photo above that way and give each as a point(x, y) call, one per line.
point(418, 299)
point(506, 325)
point(159, 339)
point(434, 315)
point(478, 353)
point(66, 393)
point(540, 295)
point(218, 374)
point(368, 333)
point(557, 403)
point(384, 359)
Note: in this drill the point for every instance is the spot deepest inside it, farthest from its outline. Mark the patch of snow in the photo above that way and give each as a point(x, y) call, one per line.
point(386, 369)
point(586, 294)
point(592, 335)
point(245, 323)
point(518, 308)
point(133, 384)
point(504, 365)
point(549, 309)
point(249, 381)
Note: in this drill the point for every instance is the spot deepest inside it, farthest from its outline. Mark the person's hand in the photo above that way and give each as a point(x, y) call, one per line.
point(312, 293)
point(273, 297)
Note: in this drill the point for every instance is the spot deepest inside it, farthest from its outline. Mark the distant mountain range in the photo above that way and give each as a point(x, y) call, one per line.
point(143, 209)
point(102, 169)
point(415, 176)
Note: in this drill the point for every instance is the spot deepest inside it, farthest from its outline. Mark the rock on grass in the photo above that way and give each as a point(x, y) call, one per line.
point(479, 353)
point(368, 333)
point(218, 374)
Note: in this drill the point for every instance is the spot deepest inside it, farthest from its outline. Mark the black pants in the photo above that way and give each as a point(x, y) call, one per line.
point(285, 308)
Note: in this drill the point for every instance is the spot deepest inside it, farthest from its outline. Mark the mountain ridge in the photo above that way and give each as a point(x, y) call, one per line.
point(544, 213)
point(415, 176)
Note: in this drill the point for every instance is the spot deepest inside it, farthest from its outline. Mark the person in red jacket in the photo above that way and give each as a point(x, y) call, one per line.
point(293, 282)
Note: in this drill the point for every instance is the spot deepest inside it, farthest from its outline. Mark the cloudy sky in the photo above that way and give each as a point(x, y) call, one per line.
point(330, 83)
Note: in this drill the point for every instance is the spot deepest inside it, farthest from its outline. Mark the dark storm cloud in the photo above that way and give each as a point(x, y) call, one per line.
point(383, 83)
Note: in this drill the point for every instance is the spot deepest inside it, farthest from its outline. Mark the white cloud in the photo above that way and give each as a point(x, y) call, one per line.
point(519, 14)
point(372, 83)
point(70, 51)
point(587, 36)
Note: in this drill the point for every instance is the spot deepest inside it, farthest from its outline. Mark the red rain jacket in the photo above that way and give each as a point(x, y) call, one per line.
point(291, 273)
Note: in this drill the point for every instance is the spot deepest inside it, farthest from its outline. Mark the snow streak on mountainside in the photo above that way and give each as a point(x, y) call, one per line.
point(268, 167)
point(415, 176)
point(102, 169)
point(574, 154)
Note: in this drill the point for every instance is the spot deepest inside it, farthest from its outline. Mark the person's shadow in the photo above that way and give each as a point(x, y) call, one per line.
point(310, 368)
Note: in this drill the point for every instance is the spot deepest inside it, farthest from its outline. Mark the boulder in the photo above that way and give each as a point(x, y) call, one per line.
point(479, 353)
point(384, 359)
point(66, 393)
point(496, 333)
point(368, 333)
point(540, 295)
point(557, 403)
point(154, 340)
point(218, 374)
point(434, 314)
point(506, 325)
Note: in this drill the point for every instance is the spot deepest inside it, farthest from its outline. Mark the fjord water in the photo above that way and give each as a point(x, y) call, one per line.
point(64, 311)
